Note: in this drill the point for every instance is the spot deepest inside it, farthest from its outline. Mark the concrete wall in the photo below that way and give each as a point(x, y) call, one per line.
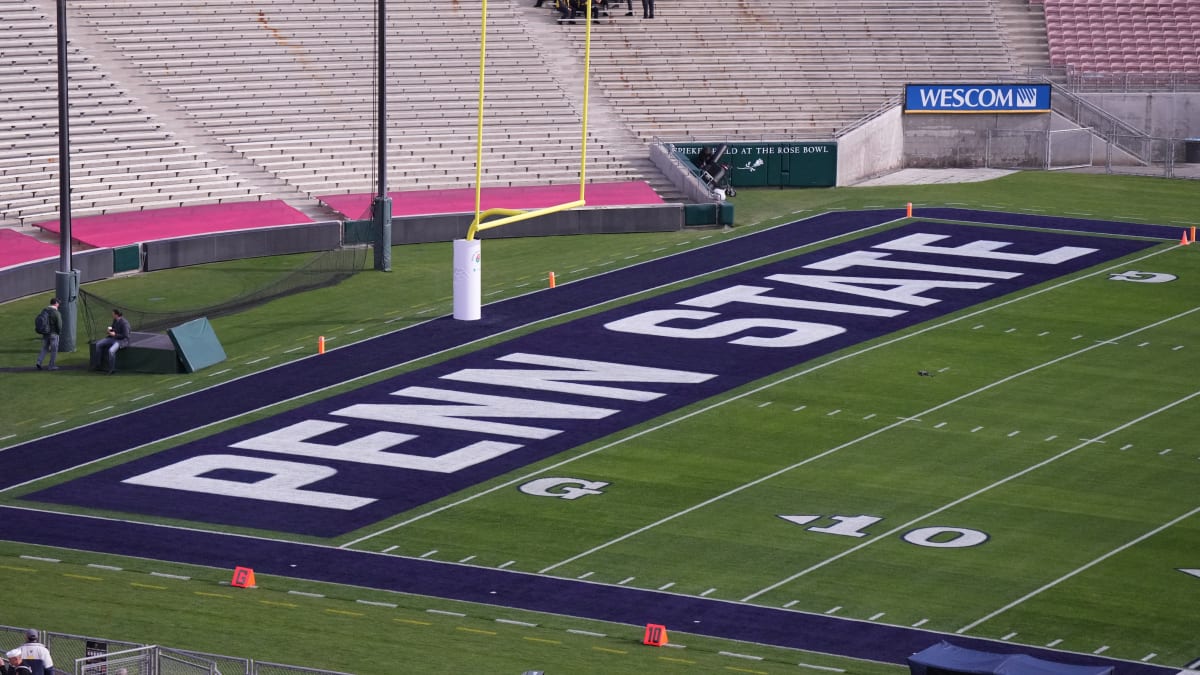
point(39, 276)
point(596, 220)
point(267, 241)
point(873, 149)
point(1162, 114)
point(942, 141)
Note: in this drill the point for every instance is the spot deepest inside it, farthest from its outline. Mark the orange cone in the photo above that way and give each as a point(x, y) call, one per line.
point(1183, 241)
point(656, 635)
point(243, 577)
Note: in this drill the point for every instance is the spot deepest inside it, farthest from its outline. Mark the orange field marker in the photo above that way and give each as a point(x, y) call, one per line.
point(656, 635)
point(243, 577)
point(321, 344)
point(910, 209)
point(1183, 241)
point(552, 280)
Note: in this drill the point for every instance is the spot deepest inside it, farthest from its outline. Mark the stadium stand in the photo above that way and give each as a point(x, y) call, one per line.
point(123, 158)
point(165, 92)
point(1131, 36)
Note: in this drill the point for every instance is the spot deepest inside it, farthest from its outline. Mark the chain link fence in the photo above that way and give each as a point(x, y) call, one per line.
point(101, 656)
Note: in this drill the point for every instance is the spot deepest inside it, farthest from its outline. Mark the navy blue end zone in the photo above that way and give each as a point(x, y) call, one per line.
point(346, 462)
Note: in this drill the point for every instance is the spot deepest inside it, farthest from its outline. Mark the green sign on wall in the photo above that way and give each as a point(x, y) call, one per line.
point(782, 164)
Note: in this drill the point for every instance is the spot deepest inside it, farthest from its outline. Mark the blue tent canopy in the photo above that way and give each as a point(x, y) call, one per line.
point(944, 657)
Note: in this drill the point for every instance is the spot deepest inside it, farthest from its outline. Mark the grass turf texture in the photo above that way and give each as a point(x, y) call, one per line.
point(1073, 525)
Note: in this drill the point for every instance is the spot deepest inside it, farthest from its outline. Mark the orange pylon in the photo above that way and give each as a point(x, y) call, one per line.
point(656, 635)
point(1183, 241)
point(243, 577)
point(552, 280)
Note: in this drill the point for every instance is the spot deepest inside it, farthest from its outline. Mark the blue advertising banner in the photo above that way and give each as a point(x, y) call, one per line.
point(976, 98)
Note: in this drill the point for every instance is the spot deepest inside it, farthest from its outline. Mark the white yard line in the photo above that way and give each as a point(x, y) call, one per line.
point(961, 500)
point(806, 371)
point(1102, 558)
point(821, 455)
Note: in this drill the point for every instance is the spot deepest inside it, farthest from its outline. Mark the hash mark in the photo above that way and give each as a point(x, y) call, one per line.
point(1009, 636)
point(390, 549)
point(1051, 437)
point(789, 603)
point(293, 349)
point(1143, 344)
point(834, 610)
point(920, 623)
point(503, 565)
point(799, 409)
point(1053, 642)
point(264, 358)
point(1165, 451)
point(876, 617)
point(1011, 330)
point(869, 416)
point(763, 405)
point(705, 593)
point(625, 581)
point(429, 553)
point(467, 559)
point(1101, 650)
point(1127, 446)
point(1043, 333)
point(976, 429)
point(977, 327)
point(138, 398)
point(1175, 349)
point(939, 425)
point(830, 414)
point(666, 585)
point(1014, 433)
point(585, 575)
point(1076, 337)
point(1149, 656)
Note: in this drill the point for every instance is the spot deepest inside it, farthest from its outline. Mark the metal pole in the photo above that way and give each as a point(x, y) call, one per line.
point(66, 280)
point(381, 207)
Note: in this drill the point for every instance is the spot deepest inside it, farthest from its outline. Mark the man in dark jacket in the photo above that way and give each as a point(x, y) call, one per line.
point(118, 338)
point(50, 339)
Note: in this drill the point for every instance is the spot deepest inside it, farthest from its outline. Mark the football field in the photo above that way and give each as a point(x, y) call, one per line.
point(851, 434)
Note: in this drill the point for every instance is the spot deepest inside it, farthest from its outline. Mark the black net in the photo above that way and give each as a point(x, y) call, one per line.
point(326, 268)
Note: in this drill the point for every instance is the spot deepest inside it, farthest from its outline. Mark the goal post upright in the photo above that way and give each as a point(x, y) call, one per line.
point(468, 257)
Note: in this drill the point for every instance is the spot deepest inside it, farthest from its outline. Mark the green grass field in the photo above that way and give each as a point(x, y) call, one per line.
point(1057, 426)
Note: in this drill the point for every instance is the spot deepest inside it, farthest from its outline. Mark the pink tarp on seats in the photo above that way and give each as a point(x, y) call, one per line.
point(17, 248)
point(462, 200)
point(121, 229)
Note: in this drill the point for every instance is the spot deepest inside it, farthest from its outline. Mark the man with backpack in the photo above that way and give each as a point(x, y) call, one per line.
point(48, 324)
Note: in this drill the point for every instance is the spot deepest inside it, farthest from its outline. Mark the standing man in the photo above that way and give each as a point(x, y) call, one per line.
point(118, 338)
point(34, 655)
point(52, 327)
point(647, 9)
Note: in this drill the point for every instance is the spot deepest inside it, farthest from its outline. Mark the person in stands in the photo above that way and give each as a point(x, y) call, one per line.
point(32, 657)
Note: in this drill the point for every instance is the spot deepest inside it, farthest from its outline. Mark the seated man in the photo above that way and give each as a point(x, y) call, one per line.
point(118, 338)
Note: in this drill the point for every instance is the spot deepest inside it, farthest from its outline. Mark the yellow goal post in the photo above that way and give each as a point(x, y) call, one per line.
point(515, 215)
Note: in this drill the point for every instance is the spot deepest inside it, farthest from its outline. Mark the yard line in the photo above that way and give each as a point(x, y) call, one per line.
point(822, 455)
point(670, 422)
point(1098, 560)
point(961, 500)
